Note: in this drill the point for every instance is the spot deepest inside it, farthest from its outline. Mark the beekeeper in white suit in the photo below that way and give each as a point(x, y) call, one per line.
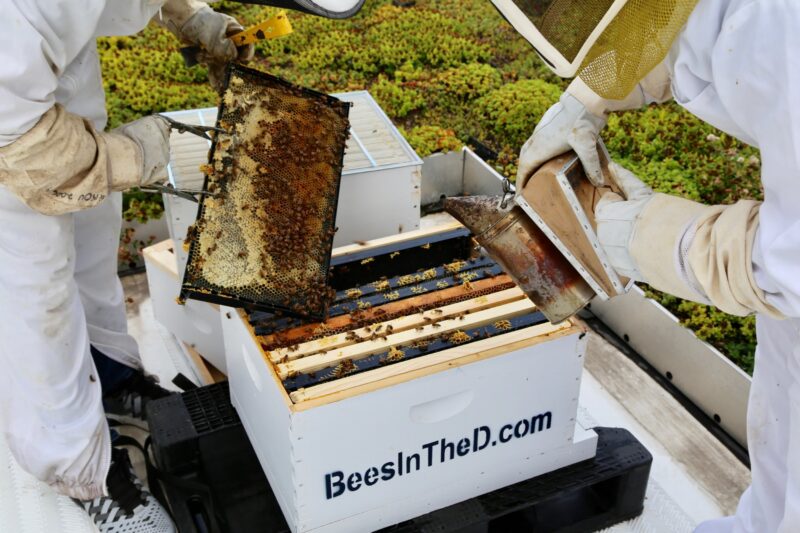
point(60, 217)
point(735, 65)
point(67, 359)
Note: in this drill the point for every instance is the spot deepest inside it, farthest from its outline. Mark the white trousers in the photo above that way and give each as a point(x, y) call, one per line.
point(59, 292)
point(772, 502)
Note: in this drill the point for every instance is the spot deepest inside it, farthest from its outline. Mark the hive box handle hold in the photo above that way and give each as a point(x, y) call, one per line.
point(441, 408)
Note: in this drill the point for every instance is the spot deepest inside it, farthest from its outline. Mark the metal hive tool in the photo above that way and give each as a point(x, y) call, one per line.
point(264, 240)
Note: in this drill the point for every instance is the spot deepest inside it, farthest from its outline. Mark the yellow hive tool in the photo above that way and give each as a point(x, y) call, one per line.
point(273, 27)
point(276, 26)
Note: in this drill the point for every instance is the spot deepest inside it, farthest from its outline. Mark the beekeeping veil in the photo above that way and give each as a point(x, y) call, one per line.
point(333, 9)
point(610, 44)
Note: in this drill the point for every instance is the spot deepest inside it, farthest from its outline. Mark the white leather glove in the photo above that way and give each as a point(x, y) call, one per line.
point(195, 23)
point(566, 126)
point(63, 164)
point(616, 219)
point(576, 120)
point(151, 134)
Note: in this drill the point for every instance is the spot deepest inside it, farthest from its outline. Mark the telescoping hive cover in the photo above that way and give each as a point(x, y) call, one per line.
point(264, 240)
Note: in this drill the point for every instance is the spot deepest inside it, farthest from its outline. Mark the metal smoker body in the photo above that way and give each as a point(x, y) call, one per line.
point(547, 242)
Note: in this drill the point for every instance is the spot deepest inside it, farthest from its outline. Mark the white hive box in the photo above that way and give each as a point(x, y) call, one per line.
point(379, 447)
point(380, 179)
point(195, 323)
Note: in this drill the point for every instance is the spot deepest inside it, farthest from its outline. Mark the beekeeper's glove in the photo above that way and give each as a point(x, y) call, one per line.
point(151, 135)
point(616, 219)
point(697, 252)
point(63, 164)
point(195, 23)
point(566, 126)
point(575, 122)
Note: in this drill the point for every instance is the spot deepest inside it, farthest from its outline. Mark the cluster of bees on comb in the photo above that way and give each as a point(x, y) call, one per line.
point(268, 231)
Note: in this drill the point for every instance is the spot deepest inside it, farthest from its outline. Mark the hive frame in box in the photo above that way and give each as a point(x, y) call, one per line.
point(496, 383)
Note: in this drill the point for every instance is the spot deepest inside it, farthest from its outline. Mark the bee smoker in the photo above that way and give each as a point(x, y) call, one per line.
point(525, 253)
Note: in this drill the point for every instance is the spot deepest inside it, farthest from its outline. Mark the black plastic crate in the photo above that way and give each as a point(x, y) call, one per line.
point(212, 480)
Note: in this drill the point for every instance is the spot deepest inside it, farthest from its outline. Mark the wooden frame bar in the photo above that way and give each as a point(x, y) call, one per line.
point(360, 350)
point(421, 366)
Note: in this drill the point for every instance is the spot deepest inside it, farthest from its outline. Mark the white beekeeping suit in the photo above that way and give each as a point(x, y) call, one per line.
point(60, 218)
point(58, 288)
point(735, 65)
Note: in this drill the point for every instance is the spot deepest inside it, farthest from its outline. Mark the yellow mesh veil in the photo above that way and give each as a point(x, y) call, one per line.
point(637, 40)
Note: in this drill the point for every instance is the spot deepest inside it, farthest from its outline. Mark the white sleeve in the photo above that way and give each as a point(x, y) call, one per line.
point(756, 74)
point(38, 40)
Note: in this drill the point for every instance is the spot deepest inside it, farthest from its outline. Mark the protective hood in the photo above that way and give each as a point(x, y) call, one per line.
point(610, 44)
point(332, 9)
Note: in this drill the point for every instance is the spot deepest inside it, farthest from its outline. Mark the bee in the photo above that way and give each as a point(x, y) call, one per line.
point(502, 325)
point(459, 337)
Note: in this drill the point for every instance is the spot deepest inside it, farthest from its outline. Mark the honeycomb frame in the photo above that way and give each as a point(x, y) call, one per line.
point(264, 240)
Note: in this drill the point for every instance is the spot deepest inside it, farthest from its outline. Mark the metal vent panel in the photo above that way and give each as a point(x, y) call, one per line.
point(374, 142)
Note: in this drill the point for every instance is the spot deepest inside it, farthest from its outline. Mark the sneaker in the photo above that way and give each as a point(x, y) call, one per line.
point(126, 403)
point(128, 508)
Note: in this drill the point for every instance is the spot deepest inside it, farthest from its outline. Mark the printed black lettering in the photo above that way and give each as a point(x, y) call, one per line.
point(429, 448)
point(371, 476)
point(337, 483)
point(62, 195)
point(463, 447)
point(90, 196)
point(540, 420)
point(415, 457)
point(334, 487)
point(387, 471)
point(521, 429)
point(476, 438)
point(447, 447)
point(354, 482)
